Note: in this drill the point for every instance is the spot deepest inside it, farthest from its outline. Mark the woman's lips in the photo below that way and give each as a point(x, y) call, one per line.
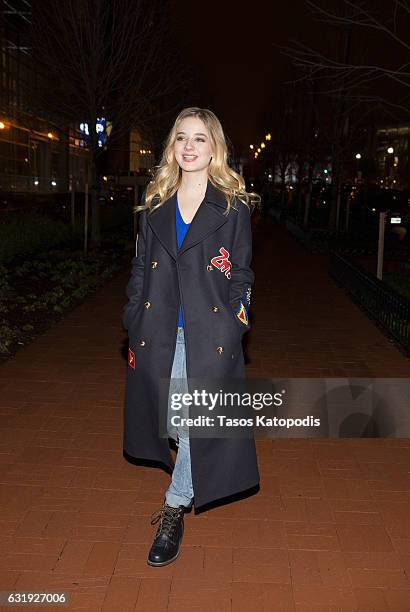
point(189, 158)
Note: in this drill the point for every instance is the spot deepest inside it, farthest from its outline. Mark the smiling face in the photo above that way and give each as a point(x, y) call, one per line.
point(192, 147)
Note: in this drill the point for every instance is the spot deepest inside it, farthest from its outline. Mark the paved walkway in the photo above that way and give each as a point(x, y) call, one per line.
point(329, 529)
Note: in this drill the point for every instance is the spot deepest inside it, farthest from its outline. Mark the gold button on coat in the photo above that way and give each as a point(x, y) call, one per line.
point(209, 268)
point(215, 309)
point(220, 349)
point(147, 304)
point(142, 343)
point(154, 264)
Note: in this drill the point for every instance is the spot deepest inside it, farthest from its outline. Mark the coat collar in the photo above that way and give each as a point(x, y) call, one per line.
point(208, 218)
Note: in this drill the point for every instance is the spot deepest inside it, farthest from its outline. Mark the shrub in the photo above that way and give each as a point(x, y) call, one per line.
point(32, 232)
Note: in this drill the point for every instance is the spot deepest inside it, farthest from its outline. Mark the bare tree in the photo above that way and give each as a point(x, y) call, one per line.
point(359, 79)
point(104, 58)
point(351, 80)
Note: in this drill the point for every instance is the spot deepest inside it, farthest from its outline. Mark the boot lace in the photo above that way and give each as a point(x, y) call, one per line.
point(168, 518)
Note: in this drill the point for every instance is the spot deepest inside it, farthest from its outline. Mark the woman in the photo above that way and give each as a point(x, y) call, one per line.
point(189, 294)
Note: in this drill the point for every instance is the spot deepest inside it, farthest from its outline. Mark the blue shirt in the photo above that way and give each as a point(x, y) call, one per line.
point(181, 228)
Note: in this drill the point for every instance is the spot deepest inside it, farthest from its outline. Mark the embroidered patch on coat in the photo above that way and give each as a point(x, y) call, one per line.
point(242, 315)
point(222, 262)
point(131, 359)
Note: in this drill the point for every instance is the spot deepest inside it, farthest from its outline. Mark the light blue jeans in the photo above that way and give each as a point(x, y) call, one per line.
point(180, 491)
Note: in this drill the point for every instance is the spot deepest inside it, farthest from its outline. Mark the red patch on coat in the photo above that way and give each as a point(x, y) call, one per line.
point(222, 262)
point(131, 359)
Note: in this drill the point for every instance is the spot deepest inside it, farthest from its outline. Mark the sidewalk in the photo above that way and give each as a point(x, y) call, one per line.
point(329, 529)
point(304, 324)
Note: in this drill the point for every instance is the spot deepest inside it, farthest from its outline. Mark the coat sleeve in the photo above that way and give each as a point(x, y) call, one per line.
point(136, 282)
point(242, 276)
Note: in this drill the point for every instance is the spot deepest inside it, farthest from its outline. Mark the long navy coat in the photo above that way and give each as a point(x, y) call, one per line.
point(211, 276)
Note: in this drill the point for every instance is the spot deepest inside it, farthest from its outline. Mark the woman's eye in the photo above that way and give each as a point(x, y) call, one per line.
point(180, 138)
point(200, 140)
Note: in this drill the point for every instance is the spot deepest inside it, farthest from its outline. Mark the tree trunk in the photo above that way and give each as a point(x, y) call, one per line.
point(95, 207)
point(282, 184)
point(340, 136)
point(334, 192)
point(309, 193)
point(94, 179)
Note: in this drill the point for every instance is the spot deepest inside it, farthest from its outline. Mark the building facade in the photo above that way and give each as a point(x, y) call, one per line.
point(38, 154)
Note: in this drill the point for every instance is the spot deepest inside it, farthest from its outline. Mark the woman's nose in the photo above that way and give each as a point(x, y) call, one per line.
point(188, 144)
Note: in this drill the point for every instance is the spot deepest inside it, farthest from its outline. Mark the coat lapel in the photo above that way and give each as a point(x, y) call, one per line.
point(208, 218)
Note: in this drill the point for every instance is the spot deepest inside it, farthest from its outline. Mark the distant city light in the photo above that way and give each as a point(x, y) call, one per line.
point(358, 156)
point(262, 145)
point(251, 146)
point(390, 150)
point(268, 136)
point(50, 135)
point(2, 125)
point(100, 127)
point(53, 183)
point(36, 182)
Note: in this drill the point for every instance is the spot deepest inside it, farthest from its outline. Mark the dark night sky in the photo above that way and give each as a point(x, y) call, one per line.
point(238, 67)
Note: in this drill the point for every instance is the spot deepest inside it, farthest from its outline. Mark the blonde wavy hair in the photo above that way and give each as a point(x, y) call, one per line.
point(167, 175)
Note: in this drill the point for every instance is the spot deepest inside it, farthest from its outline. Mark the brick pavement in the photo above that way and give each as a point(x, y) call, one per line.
point(329, 529)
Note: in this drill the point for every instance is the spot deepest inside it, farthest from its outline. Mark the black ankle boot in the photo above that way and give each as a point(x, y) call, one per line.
point(168, 538)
